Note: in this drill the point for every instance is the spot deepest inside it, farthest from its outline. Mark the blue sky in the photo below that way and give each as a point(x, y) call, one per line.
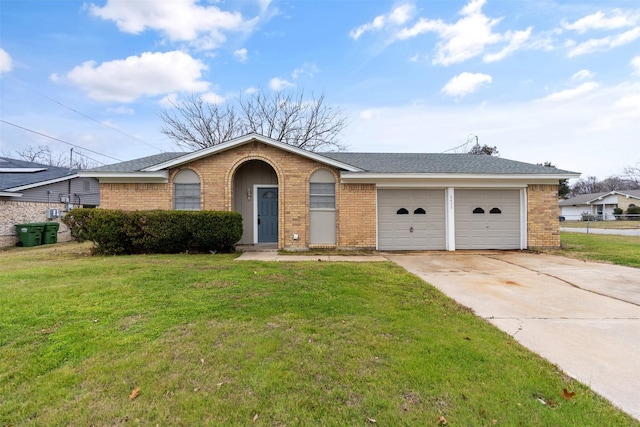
point(541, 80)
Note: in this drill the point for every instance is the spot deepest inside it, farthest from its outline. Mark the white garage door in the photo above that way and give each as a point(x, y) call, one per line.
point(411, 219)
point(487, 219)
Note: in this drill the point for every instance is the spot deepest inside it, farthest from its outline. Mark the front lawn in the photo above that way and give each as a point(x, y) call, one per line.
point(621, 250)
point(207, 340)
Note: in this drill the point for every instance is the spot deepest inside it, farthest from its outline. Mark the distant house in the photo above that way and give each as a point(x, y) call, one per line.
point(599, 205)
point(32, 192)
point(295, 199)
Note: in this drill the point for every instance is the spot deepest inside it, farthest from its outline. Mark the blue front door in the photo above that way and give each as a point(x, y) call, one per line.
point(267, 214)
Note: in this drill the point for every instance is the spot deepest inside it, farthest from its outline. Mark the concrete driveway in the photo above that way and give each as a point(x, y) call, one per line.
point(582, 316)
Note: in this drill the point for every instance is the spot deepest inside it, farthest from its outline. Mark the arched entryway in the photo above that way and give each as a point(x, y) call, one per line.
point(255, 197)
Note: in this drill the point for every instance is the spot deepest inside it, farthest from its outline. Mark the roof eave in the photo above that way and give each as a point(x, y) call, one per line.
point(41, 183)
point(9, 194)
point(127, 177)
point(189, 157)
point(367, 176)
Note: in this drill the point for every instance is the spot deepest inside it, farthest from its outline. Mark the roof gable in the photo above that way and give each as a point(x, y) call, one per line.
point(177, 161)
point(585, 199)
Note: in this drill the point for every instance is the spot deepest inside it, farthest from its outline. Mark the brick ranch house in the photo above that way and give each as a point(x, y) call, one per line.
point(33, 192)
point(297, 199)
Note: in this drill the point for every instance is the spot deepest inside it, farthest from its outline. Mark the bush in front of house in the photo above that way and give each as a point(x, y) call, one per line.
point(633, 213)
point(117, 232)
point(617, 212)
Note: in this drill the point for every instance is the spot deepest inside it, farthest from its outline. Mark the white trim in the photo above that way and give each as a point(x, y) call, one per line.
point(243, 140)
point(255, 210)
point(41, 183)
point(160, 177)
point(524, 219)
point(21, 170)
point(450, 219)
point(9, 194)
point(352, 177)
point(611, 193)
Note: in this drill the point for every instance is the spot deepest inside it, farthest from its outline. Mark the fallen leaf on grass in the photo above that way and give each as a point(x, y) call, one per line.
point(255, 418)
point(442, 421)
point(134, 393)
point(568, 395)
point(371, 420)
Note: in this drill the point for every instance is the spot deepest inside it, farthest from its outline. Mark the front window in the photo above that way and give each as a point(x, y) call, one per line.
point(186, 191)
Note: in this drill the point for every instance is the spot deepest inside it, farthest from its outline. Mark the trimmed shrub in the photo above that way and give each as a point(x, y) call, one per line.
point(117, 232)
point(634, 213)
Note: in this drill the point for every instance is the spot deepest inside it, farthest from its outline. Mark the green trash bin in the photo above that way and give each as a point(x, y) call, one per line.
point(30, 234)
point(50, 232)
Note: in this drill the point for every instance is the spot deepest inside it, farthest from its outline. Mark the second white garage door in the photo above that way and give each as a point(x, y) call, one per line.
point(411, 219)
point(487, 219)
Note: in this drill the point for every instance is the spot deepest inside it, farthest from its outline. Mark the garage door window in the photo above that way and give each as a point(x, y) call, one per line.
point(478, 211)
point(419, 211)
point(402, 211)
point(495, 211)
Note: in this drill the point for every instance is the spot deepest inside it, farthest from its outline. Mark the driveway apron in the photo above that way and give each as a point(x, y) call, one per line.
point(582, 316)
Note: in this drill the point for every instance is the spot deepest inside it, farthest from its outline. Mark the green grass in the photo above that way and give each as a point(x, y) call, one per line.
point(213, 341)
point(621, 250)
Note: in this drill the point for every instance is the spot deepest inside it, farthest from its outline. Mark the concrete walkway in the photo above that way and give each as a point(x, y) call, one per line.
point(582, 316)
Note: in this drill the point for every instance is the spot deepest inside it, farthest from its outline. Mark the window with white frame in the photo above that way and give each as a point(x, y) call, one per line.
point(186, 191)
point(322, 190)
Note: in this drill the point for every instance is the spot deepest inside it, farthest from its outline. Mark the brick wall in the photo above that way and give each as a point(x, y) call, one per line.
point(543, 229)
point(355, 204)
point(357, 216)
point(15, 212)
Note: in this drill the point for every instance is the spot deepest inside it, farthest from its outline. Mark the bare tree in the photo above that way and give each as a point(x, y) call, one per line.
point(484, 149)
point(43, 154)
point(287, 117)
point(632, 174)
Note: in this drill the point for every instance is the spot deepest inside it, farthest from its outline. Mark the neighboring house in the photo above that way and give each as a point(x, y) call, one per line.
point(32, 192)
point(295, 199)
point(599, 205)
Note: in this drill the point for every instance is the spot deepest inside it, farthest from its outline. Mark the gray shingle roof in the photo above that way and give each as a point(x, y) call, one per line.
point(138, 164)
point(10, 180)
point(387, 163)
point(582, 199)
point(439, 163)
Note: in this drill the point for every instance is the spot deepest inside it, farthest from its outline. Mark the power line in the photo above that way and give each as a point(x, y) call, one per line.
point(60, 140)
point(83, 114)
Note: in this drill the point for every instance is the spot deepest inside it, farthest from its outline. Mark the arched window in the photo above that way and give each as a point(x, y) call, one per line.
point(478, 211)
point(186, 191)
point(402, 211)
point(322, 190)
point(495, 211)
point(419, 211)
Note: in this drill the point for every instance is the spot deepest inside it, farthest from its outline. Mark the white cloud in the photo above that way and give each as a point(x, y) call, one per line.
point(583, 75)
point(250, 90)
point(241, 54)
point(467, 37)
point(307, 69)
point(604, 43)
point(212, 98)
point(6, 64)
point(576, 92)
point(179, 20)
point(635, 63)
point(278, 84)
point(601, 21)
point(398, 16)
point(563, 132)
point(126, 111)
point(465, 83)
point(169, 101)
point(149, 74)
